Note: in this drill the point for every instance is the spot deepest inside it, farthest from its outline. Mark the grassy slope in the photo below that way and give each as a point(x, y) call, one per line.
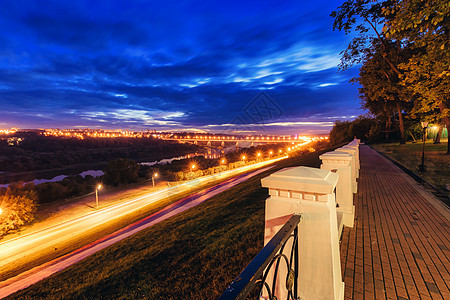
point(410, 156)
point(193, 255)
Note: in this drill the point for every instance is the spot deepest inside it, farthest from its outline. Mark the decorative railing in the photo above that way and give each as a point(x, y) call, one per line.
point(252, 282)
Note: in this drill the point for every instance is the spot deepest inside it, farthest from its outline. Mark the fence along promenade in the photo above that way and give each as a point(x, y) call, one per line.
point(395, 239)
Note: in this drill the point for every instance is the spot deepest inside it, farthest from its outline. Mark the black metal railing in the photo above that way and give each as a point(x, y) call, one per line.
point(252, 280)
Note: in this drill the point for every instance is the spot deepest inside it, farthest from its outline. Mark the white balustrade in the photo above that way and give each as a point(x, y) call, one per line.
point(355, 172)
point(341, 163)
point(309, 192)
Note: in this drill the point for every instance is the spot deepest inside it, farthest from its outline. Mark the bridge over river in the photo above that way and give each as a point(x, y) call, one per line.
point(239, 141)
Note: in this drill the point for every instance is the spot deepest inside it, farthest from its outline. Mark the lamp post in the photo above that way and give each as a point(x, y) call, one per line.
point(153, 179)
point(96, 194)
point(422, 167)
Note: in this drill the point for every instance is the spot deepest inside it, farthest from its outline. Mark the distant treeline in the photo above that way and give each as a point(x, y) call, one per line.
point(373, 130)
point(38, 152)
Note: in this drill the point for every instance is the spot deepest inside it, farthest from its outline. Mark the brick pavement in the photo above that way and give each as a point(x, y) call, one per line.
point(399, 247)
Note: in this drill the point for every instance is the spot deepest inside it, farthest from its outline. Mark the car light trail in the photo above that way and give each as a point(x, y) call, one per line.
point(20, 247)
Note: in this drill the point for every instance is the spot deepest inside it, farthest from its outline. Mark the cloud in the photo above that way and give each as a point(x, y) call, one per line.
point(169, 64)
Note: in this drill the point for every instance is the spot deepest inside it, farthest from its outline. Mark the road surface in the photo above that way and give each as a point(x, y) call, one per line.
point(28, 244)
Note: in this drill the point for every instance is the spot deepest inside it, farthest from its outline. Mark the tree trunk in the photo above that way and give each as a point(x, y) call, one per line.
point(437, 139)
point(388, 126)
point(446, 120)
point(414, 139)
point(401, 125)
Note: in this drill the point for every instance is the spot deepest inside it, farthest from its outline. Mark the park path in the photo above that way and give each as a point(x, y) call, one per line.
point(34, 275)
point(399, 247)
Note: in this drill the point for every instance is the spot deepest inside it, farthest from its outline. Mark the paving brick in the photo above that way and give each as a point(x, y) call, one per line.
point(399, 246)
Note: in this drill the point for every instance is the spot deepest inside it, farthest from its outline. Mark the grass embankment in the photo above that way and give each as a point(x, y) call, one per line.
point(193, 255)
point(410, 156)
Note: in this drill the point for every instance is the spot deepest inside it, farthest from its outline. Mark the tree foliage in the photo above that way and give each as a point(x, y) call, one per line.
point(121, 171)
point(366, 128)
point(403, 49)
point(423, 26)
point(17, 208)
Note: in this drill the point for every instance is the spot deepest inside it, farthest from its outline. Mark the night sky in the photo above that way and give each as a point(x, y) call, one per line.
point(173, 65)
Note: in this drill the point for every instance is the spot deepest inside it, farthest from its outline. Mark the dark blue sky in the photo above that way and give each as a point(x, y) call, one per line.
point(173, 65)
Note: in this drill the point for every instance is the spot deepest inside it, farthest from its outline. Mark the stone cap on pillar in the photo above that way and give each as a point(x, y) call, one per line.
point(353, 143)
point(336, 156)
point(302, 179)
point(347, 149)
point(350, 146)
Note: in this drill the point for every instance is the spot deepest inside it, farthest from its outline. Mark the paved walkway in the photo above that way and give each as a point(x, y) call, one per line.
point(400, 245)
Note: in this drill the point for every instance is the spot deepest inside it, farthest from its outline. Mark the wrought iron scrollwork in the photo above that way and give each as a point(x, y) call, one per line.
point(252, 282)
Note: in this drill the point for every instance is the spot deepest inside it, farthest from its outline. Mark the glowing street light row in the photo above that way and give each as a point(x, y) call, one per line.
point(194, 166)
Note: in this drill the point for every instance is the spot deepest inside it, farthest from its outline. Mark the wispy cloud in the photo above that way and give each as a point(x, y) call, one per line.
point(167, 65)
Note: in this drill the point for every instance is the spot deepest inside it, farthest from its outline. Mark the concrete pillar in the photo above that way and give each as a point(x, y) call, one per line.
point(355, 146)
point(309, 192)
point(355, 171)
point(341, 162)
point(356, 153)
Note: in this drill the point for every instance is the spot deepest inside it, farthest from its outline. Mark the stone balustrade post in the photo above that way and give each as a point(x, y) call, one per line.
point(355, 171)
point(341, 162)
point(356, 154)
point(309, 192)
point(355, 146)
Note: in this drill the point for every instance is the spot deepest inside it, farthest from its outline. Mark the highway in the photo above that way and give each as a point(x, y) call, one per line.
point(32, 243)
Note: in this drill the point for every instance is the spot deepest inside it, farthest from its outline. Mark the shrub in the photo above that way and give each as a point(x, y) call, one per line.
point(16, 209)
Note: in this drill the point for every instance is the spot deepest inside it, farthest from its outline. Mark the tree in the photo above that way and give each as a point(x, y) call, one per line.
point(341, 132)
point(17, 208)
point(121, 171)
point(363, 127)
point(424, 26)
point(381, 92)
point(363, 17)
point(437, 139)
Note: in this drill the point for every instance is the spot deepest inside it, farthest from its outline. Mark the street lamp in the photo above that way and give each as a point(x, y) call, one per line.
point(193, 167)
point(153, 179)
point(422, 167)
point(96, 194)
point(1, 210)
